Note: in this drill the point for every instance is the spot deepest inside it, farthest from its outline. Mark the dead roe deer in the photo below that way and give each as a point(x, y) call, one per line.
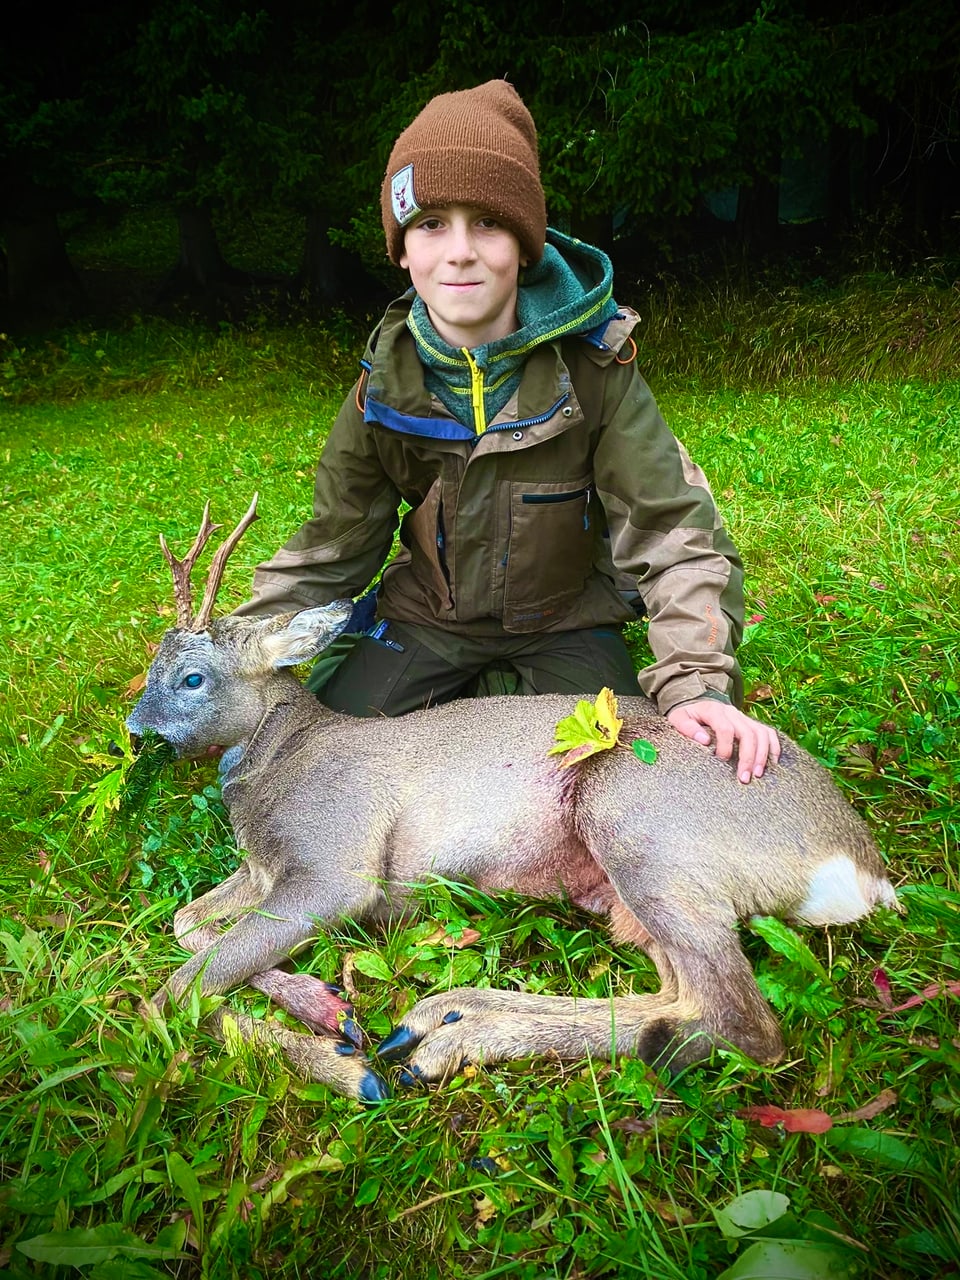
point(339, 817)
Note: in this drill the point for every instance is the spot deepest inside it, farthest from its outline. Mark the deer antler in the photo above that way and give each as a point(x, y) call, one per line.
point(182, 592)
point(224, 551)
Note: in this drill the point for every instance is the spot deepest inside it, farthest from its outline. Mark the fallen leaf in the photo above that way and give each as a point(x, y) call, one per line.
point(593, 727)
point(137, 683)
point(485, 1210)
point(760, 693)
point(346, 977)
point(795, 1120)
point(670, 1212)
point(884, 990)
point(644, 750)
point(441, 937)
point(822, 597)
point(634, 1124)
point(885, 1099)
point(928, 993)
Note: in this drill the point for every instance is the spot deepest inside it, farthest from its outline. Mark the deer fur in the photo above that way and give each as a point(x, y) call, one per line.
point(339, 817)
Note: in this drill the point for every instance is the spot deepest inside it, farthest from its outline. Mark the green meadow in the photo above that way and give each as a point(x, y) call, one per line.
point(828, 421)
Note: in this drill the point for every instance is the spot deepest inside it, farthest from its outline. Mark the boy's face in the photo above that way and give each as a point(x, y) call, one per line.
point(464, 265)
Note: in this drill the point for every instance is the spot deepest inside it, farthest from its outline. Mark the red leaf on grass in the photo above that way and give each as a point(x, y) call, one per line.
point(928, 993)
point(795, 1120)
point(884, 991)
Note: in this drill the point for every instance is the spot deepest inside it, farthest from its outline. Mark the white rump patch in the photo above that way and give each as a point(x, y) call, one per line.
point(835, 895)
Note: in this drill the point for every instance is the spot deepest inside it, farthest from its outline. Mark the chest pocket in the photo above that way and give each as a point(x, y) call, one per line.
point(550, 551)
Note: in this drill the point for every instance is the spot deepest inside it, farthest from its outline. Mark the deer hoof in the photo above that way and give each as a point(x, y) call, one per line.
point(373, 1088)
point(350, 1031)
point(398, 1043)
point(410, 1077)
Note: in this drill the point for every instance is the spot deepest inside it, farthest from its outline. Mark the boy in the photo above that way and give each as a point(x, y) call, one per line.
point(501, 401)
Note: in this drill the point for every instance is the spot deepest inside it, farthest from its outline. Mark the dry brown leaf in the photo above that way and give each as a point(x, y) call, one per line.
point(485, 1210)
point(346, 977)
point(670, 1212)
point(440, 937)
point(136, 683)
point(634, 1124)
point(885, 1098)
point(760, 693)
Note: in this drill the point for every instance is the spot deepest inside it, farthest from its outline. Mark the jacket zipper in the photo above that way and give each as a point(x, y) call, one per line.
point(476, 393)
point(586, 494)
point(532, 422)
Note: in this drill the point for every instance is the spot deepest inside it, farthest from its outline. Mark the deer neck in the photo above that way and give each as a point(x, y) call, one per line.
point(292, 712)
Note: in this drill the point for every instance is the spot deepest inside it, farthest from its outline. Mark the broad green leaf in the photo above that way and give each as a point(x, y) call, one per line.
point(367, 1192)
point(751, 1211)
point(881, 1148)
point(593, 727)
point(186, 1181)
point(125, 1269)
point(644, 750)
point(372, 965)
point(782, 938)
point(793, 1260)
point(85, 1246)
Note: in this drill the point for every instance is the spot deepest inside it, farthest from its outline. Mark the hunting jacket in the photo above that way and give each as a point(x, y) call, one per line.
point(575, 491)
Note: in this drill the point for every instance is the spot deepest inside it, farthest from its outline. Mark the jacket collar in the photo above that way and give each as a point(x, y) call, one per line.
point(396, 397)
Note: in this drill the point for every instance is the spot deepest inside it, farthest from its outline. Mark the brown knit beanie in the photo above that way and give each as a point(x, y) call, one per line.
point(476, 146)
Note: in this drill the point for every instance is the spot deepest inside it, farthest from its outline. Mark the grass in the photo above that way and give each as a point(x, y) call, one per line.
point(139, 1151)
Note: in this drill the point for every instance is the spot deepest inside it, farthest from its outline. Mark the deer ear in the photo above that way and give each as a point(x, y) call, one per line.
point(291, 639)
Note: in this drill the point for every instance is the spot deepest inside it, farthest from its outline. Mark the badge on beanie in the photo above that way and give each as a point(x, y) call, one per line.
point(405, 206)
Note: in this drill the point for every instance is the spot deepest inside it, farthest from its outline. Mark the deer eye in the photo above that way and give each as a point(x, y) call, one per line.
point(194, 680)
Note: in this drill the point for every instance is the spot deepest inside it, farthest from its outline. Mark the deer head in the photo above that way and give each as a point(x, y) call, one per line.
point(213, 680)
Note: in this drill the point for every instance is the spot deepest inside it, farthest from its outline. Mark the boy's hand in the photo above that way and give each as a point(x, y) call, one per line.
point(707, 720)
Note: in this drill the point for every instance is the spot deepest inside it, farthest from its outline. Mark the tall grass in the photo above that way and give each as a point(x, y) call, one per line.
point(142, 1150)
point(760, 334)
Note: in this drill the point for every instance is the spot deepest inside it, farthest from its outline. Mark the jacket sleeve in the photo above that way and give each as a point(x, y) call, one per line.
point(666, 534)
point(340, 551)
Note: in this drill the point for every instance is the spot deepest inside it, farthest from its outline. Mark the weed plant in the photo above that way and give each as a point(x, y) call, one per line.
point(134, 1150)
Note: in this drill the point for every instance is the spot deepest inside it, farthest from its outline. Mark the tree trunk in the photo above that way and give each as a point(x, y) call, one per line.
point(40, 279)
point(758, 215)
point(330, 275)
point(840, 183)
point(201, 270)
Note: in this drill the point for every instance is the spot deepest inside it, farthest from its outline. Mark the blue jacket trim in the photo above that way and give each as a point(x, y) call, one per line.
point(433, 428)
point(595, 336)
point(445, 428)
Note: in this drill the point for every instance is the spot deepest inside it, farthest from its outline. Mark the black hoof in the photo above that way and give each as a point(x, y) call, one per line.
point(345, 1050)
point(398, 1043)
point(453, 1016)
point(410, 1077)
point(372, 1088)
point(350, 1031)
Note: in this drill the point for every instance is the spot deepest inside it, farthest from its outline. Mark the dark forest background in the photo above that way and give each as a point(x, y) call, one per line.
point(203, 152)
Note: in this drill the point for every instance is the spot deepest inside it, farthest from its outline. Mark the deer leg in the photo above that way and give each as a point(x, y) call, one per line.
point(264, 936)
point(249, 950)
point(318, 1058)
point(708, 997)
point(318, 1005)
